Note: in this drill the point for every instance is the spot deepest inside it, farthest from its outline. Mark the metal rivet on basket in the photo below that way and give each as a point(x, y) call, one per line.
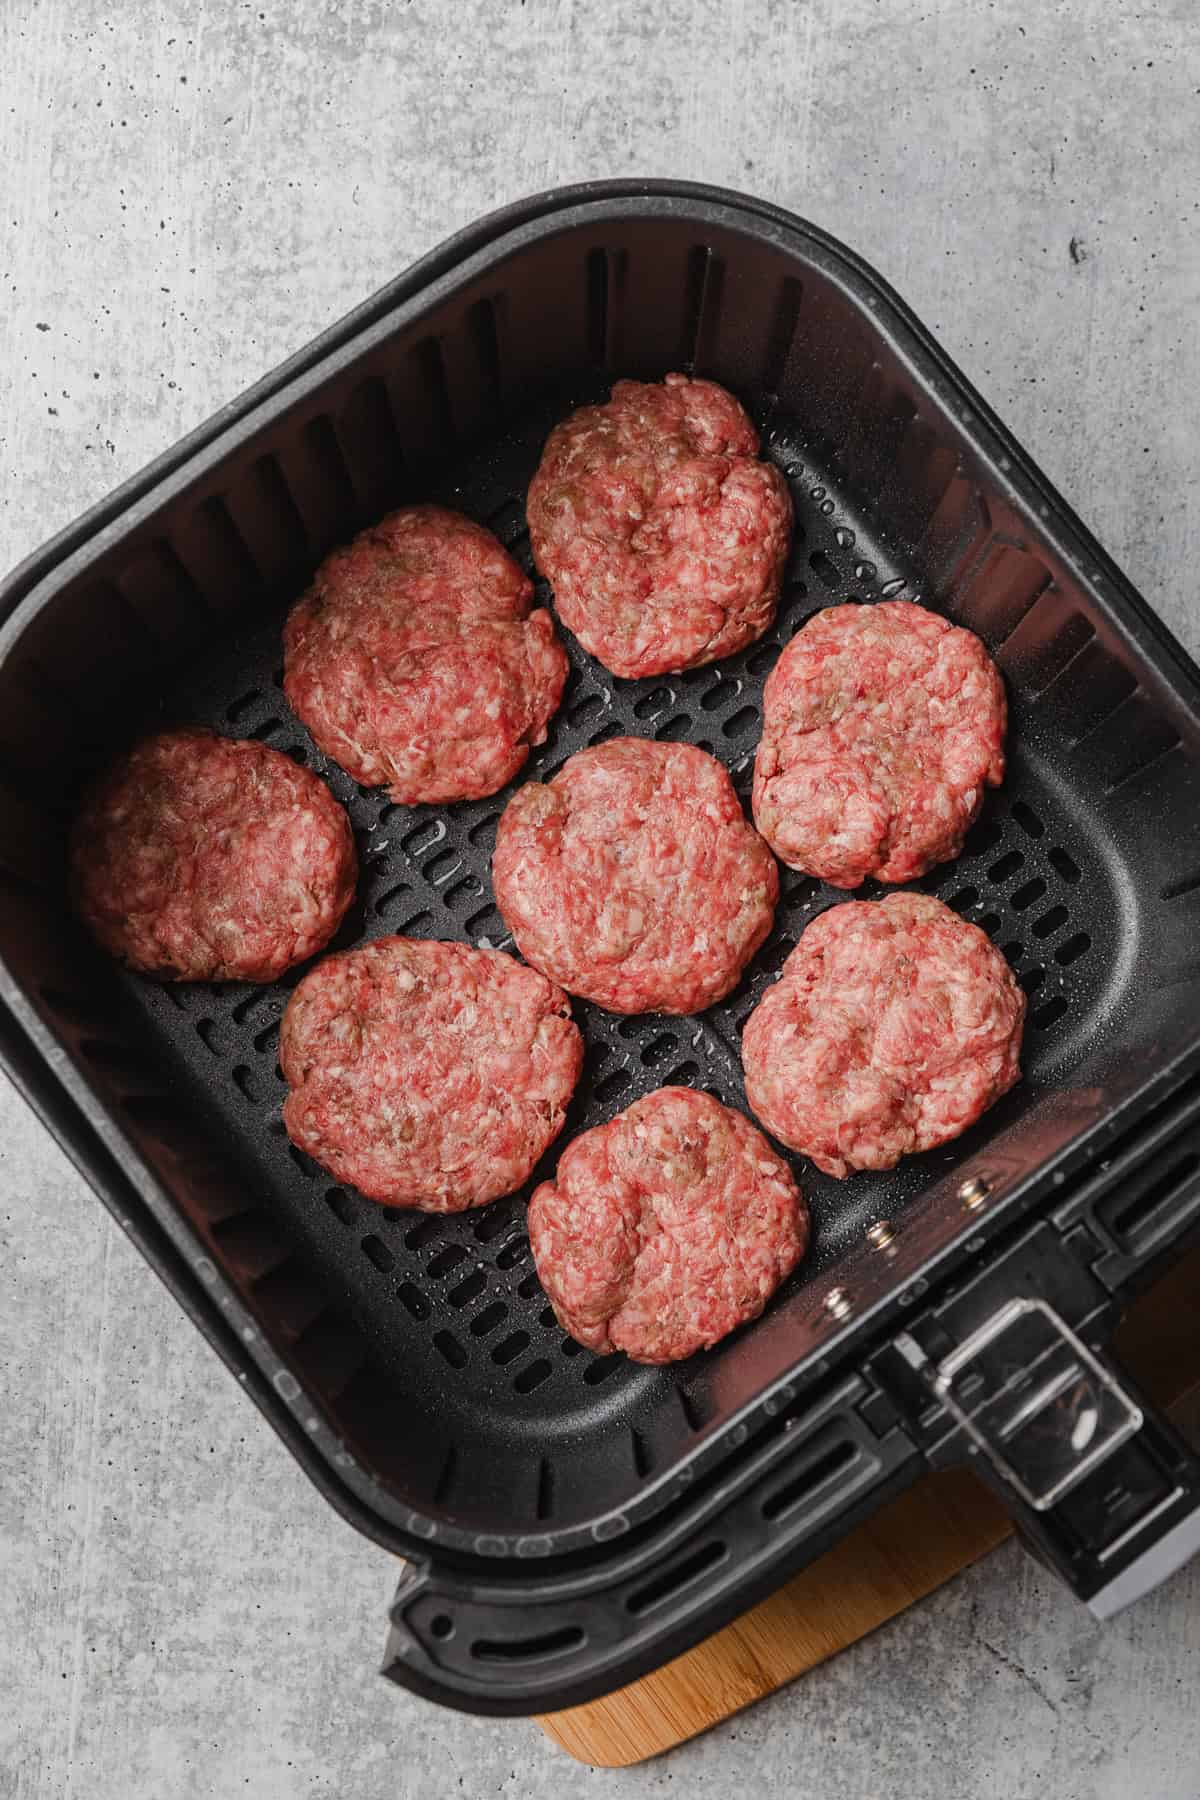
point(881, 1234)
point(837, 1302)
point(974, 1192)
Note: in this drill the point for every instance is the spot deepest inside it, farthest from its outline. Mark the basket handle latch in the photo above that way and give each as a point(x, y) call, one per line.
point(1101, 1486)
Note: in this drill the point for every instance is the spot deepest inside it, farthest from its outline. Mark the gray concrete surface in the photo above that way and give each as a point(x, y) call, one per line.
point(189, 193)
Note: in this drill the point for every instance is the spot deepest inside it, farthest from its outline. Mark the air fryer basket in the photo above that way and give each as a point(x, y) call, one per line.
point(551, 1502)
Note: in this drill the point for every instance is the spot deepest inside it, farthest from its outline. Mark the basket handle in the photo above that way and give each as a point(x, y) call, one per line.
point(1100, 1485)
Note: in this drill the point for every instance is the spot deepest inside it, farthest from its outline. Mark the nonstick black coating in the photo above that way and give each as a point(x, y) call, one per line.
point(452, 1305)
point(418, 1352)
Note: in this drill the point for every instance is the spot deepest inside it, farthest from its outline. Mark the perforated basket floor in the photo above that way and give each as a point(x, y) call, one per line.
point(455, 1300)
point(438, 1397)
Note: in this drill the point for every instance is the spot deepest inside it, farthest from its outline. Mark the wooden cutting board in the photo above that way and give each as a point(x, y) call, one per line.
point(903, 1553)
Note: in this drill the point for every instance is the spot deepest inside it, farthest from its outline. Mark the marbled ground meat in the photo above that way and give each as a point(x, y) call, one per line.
point(415, 662)
point(202, 858)
point(892, 1027)
point(882, 725)
point(634, 879)
point(662, 534)
point(666, 1228)
point(427, 1074)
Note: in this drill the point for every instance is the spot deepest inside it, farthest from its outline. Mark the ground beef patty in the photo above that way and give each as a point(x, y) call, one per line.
point(427, 1074)
point(892, 1027)
point(661, 533)
point(201, 858)
point(634, 879)
point(415, 662)
point(666, 1228)
point(881, 727)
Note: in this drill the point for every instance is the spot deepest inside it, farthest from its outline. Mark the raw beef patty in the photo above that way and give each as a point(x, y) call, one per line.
point(882, 725)
point(660, 531)
point(634, 879)
point(203, 858)
point(415, 662)
point(666, 1228)
point(892, 1027)
point(427, 1074)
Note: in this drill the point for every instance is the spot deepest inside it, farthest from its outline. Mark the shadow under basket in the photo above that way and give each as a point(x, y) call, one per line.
point(571, 1520)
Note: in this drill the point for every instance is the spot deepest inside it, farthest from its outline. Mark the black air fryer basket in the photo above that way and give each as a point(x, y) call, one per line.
point(569, 1521)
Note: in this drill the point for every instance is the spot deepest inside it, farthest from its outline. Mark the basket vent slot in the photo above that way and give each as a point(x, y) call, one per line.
point(529, 1649)
point(643, 1462)
point(510, 1347)
point(783, 1500)
point(447, 1258)
point(674, 1579)
point(601, 1369)
point(377, 1252)
point(488, 1319)
point(545, 1490)
point(1139, 1213)
point(468, 1289)
point(781, 335)
point(826, 570)
point(450, 1348)
point(596, 284)
point(413, 1301)
point(428, 359)
point(691, 1411)
point(655, 702)
point(1155, 741)
point(484, 327)
point(532, 1376)
point(512, 1253)
point(445, 1480)
point(1028, 894)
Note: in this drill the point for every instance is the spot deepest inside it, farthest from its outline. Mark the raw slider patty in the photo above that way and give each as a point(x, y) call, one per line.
point(634, 878)
point(415, 662)
point(882, 725)
point(667, 1228)
point(660, 531)
point(203, 858)
point(427, 1074)
point(893, 1025)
